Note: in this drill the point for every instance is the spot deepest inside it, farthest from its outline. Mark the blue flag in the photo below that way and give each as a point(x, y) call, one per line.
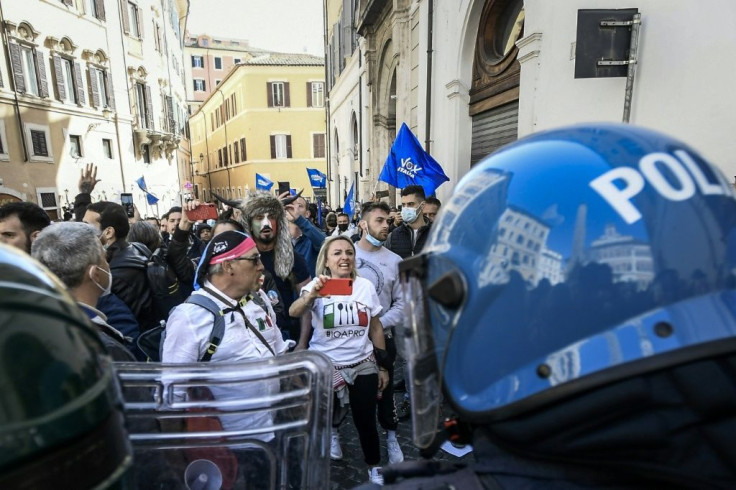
point(349, 207)
point(409, 164)
point(262, 183)
point(149, 197)
point(317, 178)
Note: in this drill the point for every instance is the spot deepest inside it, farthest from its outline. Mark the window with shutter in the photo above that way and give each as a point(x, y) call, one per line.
point(318, 145)
point(28, 71)
point(59, 76)
point(317, 94)
point(276, 98)
point(242, 150)
point(282, 146)
point(99, 9)
point(16, 60)
point(109, 94)
point(219, 157)
point(93, 88)
point(134, 20)
point(3, 142)
point(126, 18)
point(236, 154)
point(218, 63)
point(225, 153)
point(43, 84)
point(38, 143)
point(102, 87)
point(287, 97)
point(149, 108)
point(78, 85)
point(75, 145)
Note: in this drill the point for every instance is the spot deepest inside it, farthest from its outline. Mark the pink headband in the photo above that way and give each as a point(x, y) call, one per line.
point(239, 250)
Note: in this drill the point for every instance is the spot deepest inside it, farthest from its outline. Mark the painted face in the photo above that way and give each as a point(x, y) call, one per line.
point(13, 234)
point(340, 258)
point(264, 228)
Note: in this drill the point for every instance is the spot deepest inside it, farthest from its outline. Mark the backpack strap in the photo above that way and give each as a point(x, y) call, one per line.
point(218, 330)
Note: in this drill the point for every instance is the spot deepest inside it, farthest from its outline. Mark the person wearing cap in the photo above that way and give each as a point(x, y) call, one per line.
point(228, 274)
point(204, 233)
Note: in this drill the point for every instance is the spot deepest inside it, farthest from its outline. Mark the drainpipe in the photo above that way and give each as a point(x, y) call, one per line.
point(12, 81)
point(328, 144)
point(227, 148)
point(428, 103)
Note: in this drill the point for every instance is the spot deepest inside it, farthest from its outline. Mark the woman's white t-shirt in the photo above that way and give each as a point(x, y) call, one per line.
point(341, 323)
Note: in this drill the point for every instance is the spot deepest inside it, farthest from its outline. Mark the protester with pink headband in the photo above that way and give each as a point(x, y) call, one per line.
point(228, 275)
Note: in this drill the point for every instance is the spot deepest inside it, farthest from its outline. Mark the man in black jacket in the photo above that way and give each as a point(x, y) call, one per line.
point(127, 263)
point(408, 238)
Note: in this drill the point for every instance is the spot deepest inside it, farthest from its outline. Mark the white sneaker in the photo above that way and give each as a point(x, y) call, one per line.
point(375, 476)
point(335, 449)
point(394, 452)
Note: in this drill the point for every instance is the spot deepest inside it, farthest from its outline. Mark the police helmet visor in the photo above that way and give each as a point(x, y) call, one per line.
point(589, 254)
point(416, 344)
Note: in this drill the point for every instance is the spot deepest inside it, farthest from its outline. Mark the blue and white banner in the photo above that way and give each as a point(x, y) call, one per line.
point(317, 178)
point(409, 164)
point(149, 197)
point(349, 207)
point(263, 183)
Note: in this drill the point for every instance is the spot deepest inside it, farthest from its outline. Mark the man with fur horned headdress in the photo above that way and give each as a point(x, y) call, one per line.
point(264, 219)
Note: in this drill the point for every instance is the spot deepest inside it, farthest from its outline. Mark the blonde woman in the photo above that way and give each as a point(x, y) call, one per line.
point(348, 331)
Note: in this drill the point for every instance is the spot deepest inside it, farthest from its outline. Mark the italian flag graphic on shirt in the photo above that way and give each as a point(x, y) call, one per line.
point(343, 314)
point(329, 315)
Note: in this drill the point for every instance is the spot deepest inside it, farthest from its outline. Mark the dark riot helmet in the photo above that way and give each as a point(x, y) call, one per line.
point(61, 422)
point(566, 261)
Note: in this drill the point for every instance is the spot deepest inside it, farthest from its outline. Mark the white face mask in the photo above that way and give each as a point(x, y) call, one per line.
point(105, 291)
point(409, 215)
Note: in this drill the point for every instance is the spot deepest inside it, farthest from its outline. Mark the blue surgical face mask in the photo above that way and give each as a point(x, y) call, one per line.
point(373, 241)
point(409, 215)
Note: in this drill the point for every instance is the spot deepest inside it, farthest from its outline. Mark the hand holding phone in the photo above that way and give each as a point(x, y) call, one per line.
point(202, 212)
point(337, 286)
point(126, 199)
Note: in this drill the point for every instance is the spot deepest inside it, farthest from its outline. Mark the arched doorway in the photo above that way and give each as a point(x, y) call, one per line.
point(494, 95)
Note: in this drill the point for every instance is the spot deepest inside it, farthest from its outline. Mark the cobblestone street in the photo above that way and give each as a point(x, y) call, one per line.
point(352, 471)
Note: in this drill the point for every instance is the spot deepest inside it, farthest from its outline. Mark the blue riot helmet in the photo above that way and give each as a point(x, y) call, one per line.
point(61, 417)
point(568, 260)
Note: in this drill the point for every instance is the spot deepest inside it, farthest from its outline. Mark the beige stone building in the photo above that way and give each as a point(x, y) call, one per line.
point(95, 81)
point(208, 60)
point(266, 117)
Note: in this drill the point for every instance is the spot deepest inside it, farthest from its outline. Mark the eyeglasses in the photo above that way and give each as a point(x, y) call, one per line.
point(255, 258)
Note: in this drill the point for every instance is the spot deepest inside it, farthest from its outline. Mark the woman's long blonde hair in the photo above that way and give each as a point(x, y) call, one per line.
point(321, 267)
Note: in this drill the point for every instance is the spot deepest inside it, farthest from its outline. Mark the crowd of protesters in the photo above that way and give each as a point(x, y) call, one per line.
point(265, 258)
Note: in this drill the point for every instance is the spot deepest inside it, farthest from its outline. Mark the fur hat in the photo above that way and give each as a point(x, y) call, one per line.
point(264, 203)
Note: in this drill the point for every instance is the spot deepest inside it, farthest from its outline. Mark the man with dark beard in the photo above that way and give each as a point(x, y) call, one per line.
point(264, 219)
point(20, 223)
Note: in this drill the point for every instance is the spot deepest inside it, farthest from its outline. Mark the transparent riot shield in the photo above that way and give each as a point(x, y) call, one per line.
point(206, 426)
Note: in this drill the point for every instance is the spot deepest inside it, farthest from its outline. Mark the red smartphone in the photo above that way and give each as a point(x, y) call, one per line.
point(337, 286)
point(202, 212)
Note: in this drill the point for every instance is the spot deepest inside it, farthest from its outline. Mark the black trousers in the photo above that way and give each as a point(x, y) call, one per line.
point(362, 395)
